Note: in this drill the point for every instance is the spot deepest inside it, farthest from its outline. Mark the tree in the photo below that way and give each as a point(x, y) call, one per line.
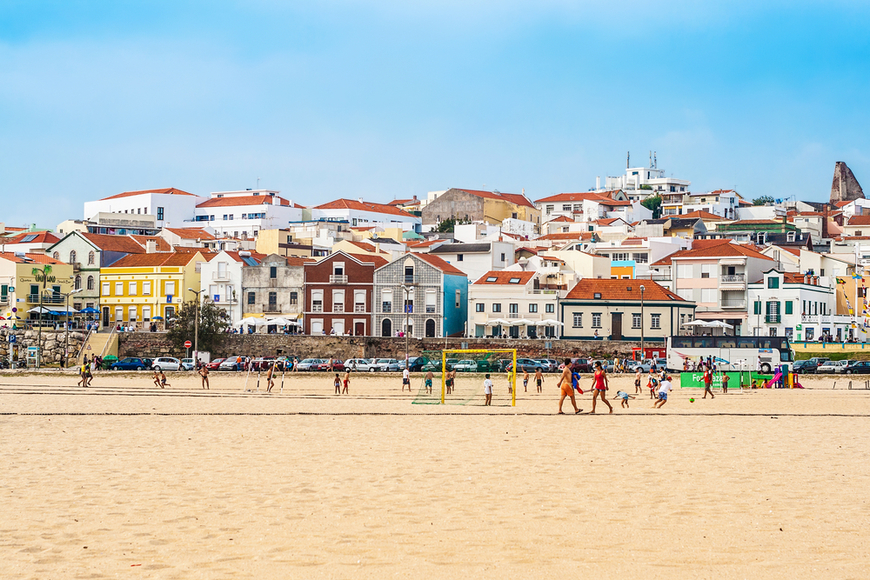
point(213, 322)
point(447, 225)
point(763, 200)
point(654, 204)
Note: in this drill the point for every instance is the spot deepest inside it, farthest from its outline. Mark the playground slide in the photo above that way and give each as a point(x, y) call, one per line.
point(774, 380)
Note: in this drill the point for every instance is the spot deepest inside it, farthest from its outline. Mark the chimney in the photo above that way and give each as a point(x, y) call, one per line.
point(151, 246)
point(597, 183)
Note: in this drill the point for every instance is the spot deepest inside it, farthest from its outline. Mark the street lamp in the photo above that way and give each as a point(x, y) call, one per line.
point(196, 327)
point(43, 272)
point(642, 352)
point(407, 290)
point(66, 333)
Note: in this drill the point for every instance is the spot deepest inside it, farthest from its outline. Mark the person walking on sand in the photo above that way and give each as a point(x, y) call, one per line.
point(346, 381)
point(539, 379)
point(203, 372)
point(708, 382)
point(83, 371)
point(637, 388)
point(270, 382)
point(526, 380)
point(664, 391)
point(510, 378)
point(487, 391)
point(406, 380)
point(163, 383)
point(337, 383)
point(428, 384)
point(157, 379)
point(566, 388)
point(599, 386)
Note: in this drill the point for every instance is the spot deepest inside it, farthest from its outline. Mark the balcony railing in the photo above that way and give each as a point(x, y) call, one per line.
point(338, 307)
point(734, 278)
point(271, 307)
point(359, 307)
point(46, 299)
point(317, 308)
point(513, 315)
point(773, 318)
point(430, 310)
point(220, 276)
point(338, 278)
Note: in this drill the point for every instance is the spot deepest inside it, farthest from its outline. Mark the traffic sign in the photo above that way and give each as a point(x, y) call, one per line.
point(12, 339)
point(187, 344)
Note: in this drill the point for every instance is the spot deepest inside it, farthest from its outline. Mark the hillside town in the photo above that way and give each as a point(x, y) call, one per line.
point(637, 255)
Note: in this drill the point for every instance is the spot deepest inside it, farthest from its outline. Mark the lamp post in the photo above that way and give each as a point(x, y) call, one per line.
point(43, 272)
point(642, 352)
point(407, 291)
point(196, 327)
point(66, 333)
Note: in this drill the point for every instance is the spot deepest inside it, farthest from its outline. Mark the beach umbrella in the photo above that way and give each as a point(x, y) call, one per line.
point(551, 322)
point(252, 321)
point(719, 324)
point(92, 310)
point(702, 323)
point(498, 322)
point(279, 321)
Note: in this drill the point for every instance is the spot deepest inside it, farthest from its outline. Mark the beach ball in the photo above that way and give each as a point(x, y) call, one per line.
point(692, 400)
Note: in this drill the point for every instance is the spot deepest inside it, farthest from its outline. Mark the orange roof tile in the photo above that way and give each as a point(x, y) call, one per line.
point(721, 251)
point(244, 200)
point(702, 214)
point(620, 290)
point(562, 236)
point(42, 237)
point(859, 220)
point(31, 258)
point(165, 191)
point(505, 277)
point(191, 233)
point(562, 218)
point(156, 260)
point(162, 245)
point(378, 261)
point(363, 206)
point(603, 196)
point(441, 264)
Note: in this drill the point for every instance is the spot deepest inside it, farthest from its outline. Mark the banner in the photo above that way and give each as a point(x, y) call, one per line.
point(696, 380)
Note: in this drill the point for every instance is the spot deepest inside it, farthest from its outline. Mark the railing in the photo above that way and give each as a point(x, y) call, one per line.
point(734, 304)
point(430, 310)
point(386, 307)
point(734, 278)
point(338, 278)
point(4, 299)
point(513, 315)
point(338, 307)
point(773, 318)
point(46, 299)
point(317, 308)
point(818, 318)
point(543, 291)
point(410, 279)
point(359, 307)
point(220, 275)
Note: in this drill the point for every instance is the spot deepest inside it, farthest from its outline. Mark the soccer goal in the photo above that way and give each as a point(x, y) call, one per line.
point(465, 371)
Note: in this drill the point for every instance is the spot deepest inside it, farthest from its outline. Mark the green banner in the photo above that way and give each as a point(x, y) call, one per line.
point(696, 380)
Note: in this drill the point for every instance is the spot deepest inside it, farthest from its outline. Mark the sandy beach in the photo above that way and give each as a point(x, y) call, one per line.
point(123, 480)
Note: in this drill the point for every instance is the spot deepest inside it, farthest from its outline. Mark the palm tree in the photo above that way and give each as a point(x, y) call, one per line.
point(37, 272)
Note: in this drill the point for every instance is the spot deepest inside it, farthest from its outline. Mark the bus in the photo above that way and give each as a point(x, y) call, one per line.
point(730, 353)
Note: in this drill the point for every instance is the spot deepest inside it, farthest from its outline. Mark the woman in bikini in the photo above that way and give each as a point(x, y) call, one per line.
point(599, 385)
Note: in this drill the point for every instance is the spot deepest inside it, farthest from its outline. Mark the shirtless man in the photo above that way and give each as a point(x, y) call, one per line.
point(539, 379)
point(428, 383)
point(269, 381)
point(346, 381)
point(451, 377)
point(203, 372)
point(567, 388)
point(526, 380)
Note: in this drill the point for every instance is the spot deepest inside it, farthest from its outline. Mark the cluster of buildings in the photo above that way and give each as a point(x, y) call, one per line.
point(640, 254)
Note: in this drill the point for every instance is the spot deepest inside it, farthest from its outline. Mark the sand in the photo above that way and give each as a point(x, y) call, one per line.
point(126, 481)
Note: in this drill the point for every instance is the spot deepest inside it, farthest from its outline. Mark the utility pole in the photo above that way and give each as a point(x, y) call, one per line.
point(196, 328)
point(642, 351)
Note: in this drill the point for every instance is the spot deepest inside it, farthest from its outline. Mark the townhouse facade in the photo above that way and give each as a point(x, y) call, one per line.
point(24, 278)
point(273, 287)
point(221, 280)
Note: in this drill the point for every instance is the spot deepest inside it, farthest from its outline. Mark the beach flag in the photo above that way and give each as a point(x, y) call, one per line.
point(840, 281)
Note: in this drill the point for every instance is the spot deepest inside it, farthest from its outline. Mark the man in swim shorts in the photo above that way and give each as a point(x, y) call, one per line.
point(664, 391)
point(567, 388)
point(428, 383)
point(539, 379)
point(526, 380)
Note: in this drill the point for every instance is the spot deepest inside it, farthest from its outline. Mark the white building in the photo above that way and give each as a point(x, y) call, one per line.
point(242, 214)
point(170, 207)
point(641, 182)
point(221, 281)
point(367, 213)
point(478, 258)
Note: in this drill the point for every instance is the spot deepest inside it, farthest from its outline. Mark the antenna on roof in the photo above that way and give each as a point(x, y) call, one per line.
point(258, 183)
point(655, 161)
point(628, 160)
point(650, 160)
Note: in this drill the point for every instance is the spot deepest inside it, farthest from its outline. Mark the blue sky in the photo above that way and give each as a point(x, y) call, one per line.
point(387, 99)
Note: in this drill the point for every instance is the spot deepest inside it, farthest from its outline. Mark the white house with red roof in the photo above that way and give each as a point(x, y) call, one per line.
point(242, 214)
point(28, 242)
point(170, 206)
point(357, 212)
point(590, 206)
point(642, 182)
point(221, 280)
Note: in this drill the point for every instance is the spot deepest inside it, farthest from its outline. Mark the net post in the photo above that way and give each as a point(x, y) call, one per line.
point(443, 374)
point(514, 380)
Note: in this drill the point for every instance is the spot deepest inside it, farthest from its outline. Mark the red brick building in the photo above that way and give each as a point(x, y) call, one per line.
point(338, 294)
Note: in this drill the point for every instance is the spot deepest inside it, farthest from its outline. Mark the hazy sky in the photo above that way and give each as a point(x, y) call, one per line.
point(386, 99)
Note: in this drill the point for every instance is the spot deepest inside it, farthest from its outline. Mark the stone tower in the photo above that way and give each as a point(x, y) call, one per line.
point(845, 187)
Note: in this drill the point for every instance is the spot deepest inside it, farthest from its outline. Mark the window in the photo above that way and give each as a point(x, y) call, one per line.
point(566, 207)
point(549, 209)
point(317, 300)
point(160, 213)
point(705, 274)
point(107, 289)
point(655, 320)
point(596, 320)
point(514, 281)
point(550, 308)
point(273, 301)
point(387, 301)
point(684, 271)
point(91, 258)
point(496, 307)
point(294, 298)
point(72, 257)
point(338, 300)
point(491, 278)
point(635, 320)
point(409, 274)
point(56, 255)
point(789, 307)
point(757, 307)
point(338, 269)
point(132, 288)
point(480, 307)
point(252, 298)
point(578, 320)
point(359, 301)
point(170, 288)
point(503, 257)
point(78, 282)
point(459, 257)
point(514, 308)
point(146, 288)
point(119, 288)
point(773, 282)
point(91, 282)
point(619, 256)
point(131, 314)
point(596, 295)
point(533, 308)
point(640, 258)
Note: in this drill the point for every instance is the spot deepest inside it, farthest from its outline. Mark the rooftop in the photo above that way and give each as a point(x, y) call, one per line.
point(29, 258)
point(164, 191)
point(514, 198)
point(364, 206)
point(440, 264)
point(506, 277)
point(233, 201)
point(587, 288)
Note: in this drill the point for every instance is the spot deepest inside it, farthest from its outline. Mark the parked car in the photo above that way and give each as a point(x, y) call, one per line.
point(166, 363)
point(525, 364)
point(833, 366)
point(215, 364)
point(386, 364)
point(860, 367)
point(232, 363)
point(810, 365)
point(467, 366)
point(549, 365)
point(416, 363)
point(336, 366)
point(310, 364)
point(262, 363)
point(130, 364)
point(361, 365)
point(633, 366)
point(187, 364)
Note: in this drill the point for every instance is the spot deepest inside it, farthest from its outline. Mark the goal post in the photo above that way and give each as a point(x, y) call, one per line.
point(447, 354)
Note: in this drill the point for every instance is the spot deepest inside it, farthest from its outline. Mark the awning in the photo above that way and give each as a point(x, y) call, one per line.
point(737, 315)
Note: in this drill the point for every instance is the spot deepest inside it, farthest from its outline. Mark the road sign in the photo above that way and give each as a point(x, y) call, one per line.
point(169, 298)
point(12, 339)
point(187, 344)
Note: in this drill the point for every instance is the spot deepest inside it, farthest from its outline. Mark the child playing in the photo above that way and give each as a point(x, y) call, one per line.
point(487, 390)
point(652, 383)
point(725, 379)
point(346, 380)
point(337, 383)
point(526, 380)
point(156, 379)
point(625, 397)
point(428, 384)
point(664, 389)
point(510, 378)
point(637, 389)
point(163, 383)
point(539, 379)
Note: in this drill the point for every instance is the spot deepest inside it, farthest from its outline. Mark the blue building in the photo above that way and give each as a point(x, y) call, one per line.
point(421, 291)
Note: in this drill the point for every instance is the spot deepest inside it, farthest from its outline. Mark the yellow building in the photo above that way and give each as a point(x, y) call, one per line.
point(140, 288)
point(20, 288)
point(492, 207)
point(621, 272)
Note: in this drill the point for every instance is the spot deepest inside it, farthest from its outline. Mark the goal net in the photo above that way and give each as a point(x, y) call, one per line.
point(458, 377)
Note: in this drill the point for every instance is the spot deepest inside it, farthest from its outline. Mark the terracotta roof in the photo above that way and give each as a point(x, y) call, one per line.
point(441, 264)
point(155, 260)
point(514, 198)
point(620, 290)
point(859, 220)
point(364, 246)
point(608, 221)
point(165, 191)
point(634, 241)
point(424, 243)
point(362, 229)
point(109, 243)
point(378, 261)
point(42, 237)
point(294, 261)
point(403, 201)
point(562, 218)
point(32, 258)
point(722, 251)
point(606, 196)
point(842, 203)
point(795, 251)
point(191, 233)
point(235, 256)
point(702, 214)
point(363, 206)
point(244, 200)
point(718, 192)
point(552, 259)
point(505, 276)
point(162, 245)
point(570, 236)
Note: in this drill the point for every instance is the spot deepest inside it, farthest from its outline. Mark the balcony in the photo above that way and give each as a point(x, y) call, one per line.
point(733, 280)
point(338, 307)
point(46, 299)
point(430, 310)
point(773, 319)
point(338, 279)
point(739, 304)
point(359, 307)
point(271, 307)
point(220, 276)
point(317, 308)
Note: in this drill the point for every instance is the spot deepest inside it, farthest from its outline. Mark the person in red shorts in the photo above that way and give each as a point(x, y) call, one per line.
point(599, 386)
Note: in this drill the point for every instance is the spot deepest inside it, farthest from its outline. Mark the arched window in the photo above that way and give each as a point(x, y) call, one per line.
point(90, 282)
point(72, 256)
point(78, 283)
point(91, 257)
point(56, 255)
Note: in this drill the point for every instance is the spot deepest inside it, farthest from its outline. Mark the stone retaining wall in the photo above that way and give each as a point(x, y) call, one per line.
point(148, 344)
point(53, 342)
